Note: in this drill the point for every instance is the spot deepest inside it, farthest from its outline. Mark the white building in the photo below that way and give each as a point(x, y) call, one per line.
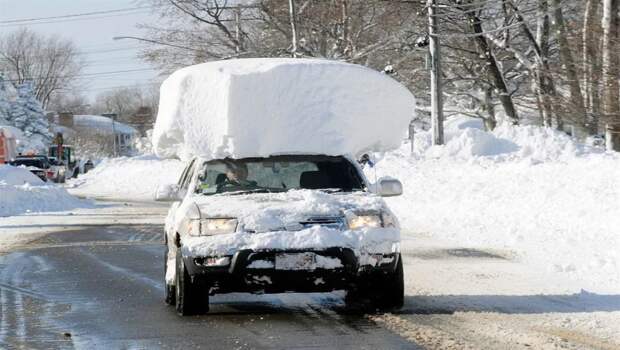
point(104, 128)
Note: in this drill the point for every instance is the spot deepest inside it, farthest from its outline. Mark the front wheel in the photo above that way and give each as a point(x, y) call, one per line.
point(191, 297)
point(383, 292)
point(391, 294)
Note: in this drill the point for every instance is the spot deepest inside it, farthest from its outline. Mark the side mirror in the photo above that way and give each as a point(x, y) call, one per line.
point(167, 193)
point(389, 187)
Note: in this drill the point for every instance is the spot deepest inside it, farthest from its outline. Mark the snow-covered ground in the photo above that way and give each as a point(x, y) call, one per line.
point(127, 178)
point(22, 192)
point(527, 190)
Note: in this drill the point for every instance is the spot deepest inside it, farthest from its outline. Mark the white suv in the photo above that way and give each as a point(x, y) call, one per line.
point(285, 223)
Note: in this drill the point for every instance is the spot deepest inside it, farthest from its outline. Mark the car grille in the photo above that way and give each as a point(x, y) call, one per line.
point(334, 222)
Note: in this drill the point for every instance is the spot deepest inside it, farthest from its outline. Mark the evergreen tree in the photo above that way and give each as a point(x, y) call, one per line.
point(27, 114)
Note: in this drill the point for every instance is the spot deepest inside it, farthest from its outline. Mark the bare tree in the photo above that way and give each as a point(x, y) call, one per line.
point(51, 63)
point(591, 62)
point(136, 106)
point(567, 61)
point(611, 90)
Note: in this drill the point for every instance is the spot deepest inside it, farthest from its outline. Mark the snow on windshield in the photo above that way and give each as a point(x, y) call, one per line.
point(260, 107)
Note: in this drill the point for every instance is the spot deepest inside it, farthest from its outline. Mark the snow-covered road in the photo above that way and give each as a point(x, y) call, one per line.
point(95, 282)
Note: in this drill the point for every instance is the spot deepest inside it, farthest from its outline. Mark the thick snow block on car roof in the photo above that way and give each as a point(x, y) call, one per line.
point(260, 107)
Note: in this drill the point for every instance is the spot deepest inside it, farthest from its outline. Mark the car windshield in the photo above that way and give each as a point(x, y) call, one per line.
point(279, 174)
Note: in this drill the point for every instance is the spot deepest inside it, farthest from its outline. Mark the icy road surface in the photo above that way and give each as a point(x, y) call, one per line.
point(93, 279)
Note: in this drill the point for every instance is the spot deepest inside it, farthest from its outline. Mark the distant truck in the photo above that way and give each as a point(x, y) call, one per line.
point(64, 156)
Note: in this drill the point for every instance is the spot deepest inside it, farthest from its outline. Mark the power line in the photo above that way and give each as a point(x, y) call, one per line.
point(120, 86)
point(77, 15)
point(84, 75)
point(69, 20)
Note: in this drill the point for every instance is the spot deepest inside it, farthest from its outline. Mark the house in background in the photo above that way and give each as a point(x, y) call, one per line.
point(95, 134)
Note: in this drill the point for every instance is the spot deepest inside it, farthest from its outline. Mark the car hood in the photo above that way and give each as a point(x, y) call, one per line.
point(262, 212)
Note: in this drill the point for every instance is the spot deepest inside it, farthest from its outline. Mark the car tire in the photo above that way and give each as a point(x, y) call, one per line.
point(190, 296)
point(169, 288)
point(392, 289)
point(383, 292)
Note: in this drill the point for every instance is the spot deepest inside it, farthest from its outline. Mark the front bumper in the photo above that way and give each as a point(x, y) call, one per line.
point(237, 273)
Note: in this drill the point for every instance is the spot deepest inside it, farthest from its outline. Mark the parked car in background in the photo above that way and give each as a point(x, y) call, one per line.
point(88, 166)
point(39, 165)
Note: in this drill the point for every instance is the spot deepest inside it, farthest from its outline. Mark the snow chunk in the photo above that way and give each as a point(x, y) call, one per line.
point(258, 107)
point(261, 264)
point(373, 240)
point(278, 211)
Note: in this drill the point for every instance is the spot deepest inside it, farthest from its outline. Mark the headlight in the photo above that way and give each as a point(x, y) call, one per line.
point(214, 226)
point(361, 221)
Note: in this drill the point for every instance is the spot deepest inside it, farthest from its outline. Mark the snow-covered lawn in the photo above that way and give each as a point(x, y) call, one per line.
point(127, 178)
point(534, 192)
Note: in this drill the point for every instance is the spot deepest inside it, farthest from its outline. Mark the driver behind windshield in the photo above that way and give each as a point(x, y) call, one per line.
point(236, 175)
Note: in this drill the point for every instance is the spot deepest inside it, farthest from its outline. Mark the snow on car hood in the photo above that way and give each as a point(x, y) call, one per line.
point(263, 212)
point(364, 242)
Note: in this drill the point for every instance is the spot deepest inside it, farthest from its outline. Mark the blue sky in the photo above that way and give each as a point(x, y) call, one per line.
point(93, 36)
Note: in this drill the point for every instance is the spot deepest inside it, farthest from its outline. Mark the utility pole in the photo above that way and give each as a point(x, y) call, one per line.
point(436, 87)
point(291, 11)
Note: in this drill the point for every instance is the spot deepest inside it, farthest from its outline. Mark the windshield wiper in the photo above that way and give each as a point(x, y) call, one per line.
point(336, 190)
point(255, 190)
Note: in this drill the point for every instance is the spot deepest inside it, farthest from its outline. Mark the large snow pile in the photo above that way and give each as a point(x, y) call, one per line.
point(15, 176)
point(466, 139)
point(529, 190)
point(257, 107)
point(130, 178)
point(22, 192)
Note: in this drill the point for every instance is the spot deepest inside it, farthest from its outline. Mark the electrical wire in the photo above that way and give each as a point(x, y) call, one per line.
point(20, 21)
point(85, 75)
